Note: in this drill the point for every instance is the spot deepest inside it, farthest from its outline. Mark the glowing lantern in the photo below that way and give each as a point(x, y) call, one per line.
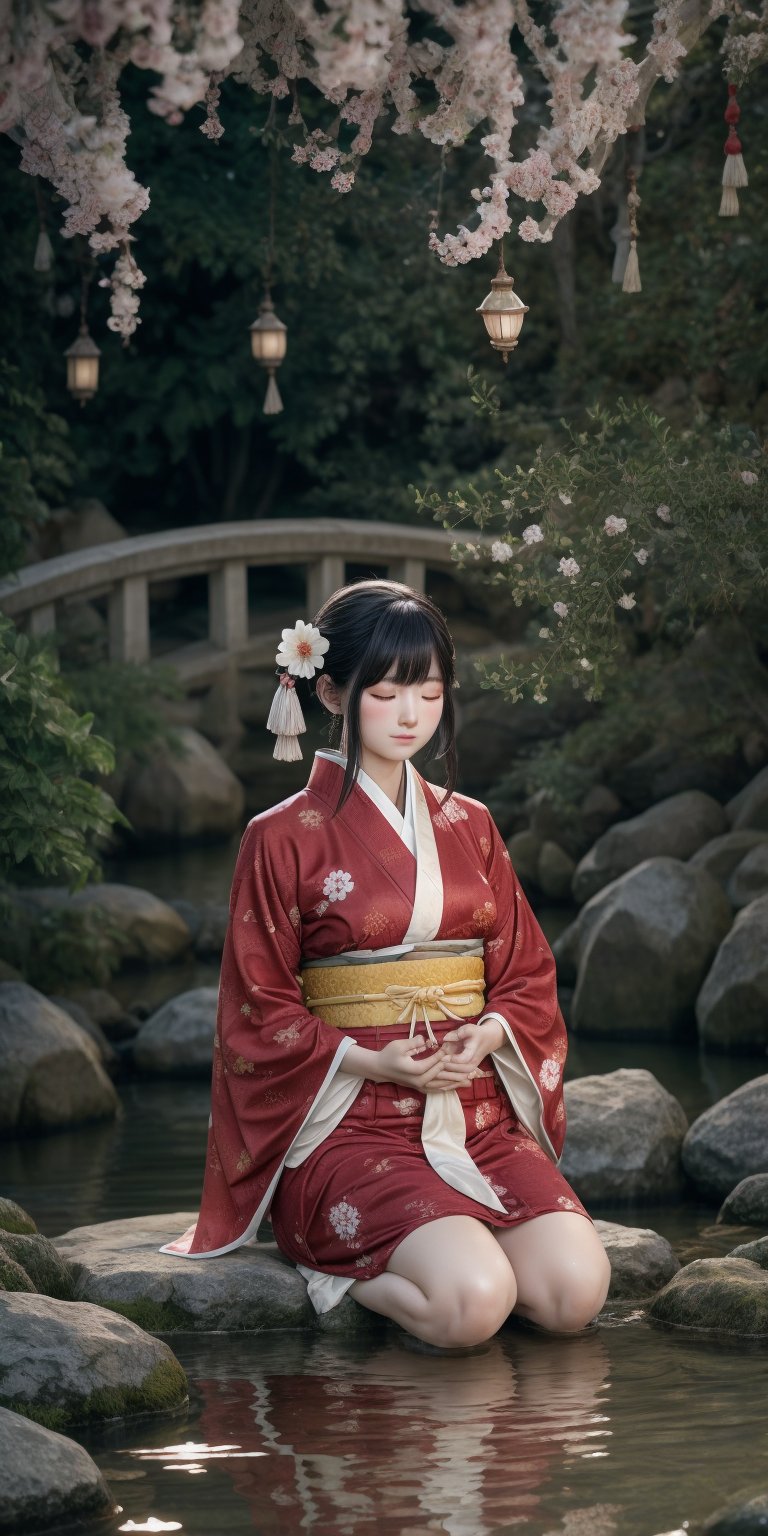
point(269, 341)
point(502, 311)
point(83, 366)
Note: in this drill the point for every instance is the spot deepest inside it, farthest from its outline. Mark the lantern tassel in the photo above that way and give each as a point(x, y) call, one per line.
point(729, 203)
point(734, 170)
point(286, 720)
point(272, 401)
point(632, 283)
point(43, 258)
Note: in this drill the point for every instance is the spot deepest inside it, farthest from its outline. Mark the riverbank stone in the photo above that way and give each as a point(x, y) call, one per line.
point(13, 1218)
point(178, 797)
point(642, 948)
point(749, 808)
point(724, 1296)
point(723, 855)
point(41, 1261)
point(623, 1139)
point(68, 1362)
point(51, 1075)
point(117, 1264)
point(177, 1040)
point(732, 1006)
point(750, 878)
point(49, 1481)
point(642, 1261)
point(756, 1251)
point(747, 1203)
point(676, 827)
point(729, 1141)
point(146, 930)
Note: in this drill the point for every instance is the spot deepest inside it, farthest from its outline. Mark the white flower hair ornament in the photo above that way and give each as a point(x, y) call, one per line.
point(301, 652)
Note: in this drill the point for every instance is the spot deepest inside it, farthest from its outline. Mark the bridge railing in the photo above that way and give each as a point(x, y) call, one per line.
point(124, 571)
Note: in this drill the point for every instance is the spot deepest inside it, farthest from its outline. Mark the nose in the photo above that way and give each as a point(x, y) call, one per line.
point(408, 712)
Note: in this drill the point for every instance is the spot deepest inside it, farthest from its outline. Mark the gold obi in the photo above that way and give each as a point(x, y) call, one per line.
point(396, 991)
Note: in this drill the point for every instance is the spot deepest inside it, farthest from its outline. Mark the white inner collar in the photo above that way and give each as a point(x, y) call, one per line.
point(404, 825)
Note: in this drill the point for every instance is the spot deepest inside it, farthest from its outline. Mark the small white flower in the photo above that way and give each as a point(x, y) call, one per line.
point(501, 550)
point(337, 884)
point(344, 1218)
point(507, 505)
point(627, 600)
point(549, 1076)
point(569, 567)
point(532, 534)
point(539, 698)
point(749, 477)
point(587, 665)
point(544, 634)
point(566, 1202)
point(561, 609)
point(664, 513)
point(641, 555)
point(302, 649)
point(565, 498)
point(614, 525)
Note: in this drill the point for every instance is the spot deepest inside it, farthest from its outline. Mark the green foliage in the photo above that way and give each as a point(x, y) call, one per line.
point(628, 518)
point(59, 945)
point(36, 462)
point(124, 701)
point(50, 813)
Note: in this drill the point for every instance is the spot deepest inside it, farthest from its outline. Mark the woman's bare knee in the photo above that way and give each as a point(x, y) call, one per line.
point(475, 1309)
point(571, 1295)
point(467, 1280)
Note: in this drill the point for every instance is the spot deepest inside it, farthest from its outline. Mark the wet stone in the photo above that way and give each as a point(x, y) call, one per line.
point(250, 1289)
point(49, 1481)
point(722, 1296)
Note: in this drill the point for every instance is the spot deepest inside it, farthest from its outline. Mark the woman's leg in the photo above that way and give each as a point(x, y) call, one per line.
point(561, 1268)
point(448, 1282)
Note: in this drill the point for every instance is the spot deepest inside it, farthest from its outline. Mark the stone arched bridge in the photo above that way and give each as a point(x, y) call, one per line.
point(124, 571)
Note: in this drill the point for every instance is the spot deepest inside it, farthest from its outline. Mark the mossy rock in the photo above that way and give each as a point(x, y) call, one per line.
point(164, 1389)
point(724, 1296)
point(12, 1276)
point(757, 1251)
point(42, 1262)
point(749, 1518)
point(13, 1218)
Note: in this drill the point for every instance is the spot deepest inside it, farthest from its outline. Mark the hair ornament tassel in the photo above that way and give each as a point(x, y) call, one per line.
point(734, 170)
point(301, 652)
point(631, 283)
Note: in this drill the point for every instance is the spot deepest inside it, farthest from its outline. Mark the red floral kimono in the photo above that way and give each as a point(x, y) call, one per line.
point(344, 1166)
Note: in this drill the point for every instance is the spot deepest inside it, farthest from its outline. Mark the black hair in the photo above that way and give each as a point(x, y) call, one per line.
point(376, 625)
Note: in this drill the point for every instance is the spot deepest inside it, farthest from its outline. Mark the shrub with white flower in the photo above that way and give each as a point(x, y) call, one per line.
point(557, 513)
point(501, 551)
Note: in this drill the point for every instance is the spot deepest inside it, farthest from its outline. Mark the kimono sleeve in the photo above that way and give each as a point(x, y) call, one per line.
point(521, 992)
point(271, 1057)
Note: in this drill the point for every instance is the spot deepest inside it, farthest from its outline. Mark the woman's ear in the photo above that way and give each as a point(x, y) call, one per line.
point(328, 694)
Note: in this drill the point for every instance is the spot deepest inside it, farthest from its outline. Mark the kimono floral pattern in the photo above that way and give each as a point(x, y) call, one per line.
point(345, 1220)
point(549, 1075)
point(337, 884)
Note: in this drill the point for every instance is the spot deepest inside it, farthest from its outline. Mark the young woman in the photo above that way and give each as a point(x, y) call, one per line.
point(389, 1050)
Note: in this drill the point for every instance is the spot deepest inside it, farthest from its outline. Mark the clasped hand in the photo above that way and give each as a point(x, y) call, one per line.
point(453, 1065)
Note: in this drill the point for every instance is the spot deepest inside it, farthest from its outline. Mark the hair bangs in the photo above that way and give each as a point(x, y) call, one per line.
point(401, 648)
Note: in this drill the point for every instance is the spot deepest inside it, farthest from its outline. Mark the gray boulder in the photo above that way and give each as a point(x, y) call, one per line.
point(144, 928)
point(41, 1262)
point(756, 1251)
point(109, 1057)
point(555, 871)
point(749, 808)
point(641, 1260)
point(50, 1072)
point(66, 1362)
point(13, 1218)
point(724, 1296)
point(177, 1040)
point(732, 1006)
point(750, 878)
point(179, 797)
point(675, 828)
point(623, 1138)
point(644, 945)
point(747, 1203)
point(729, 1141)
point(117, 1263)
point(723, 854)
point(49, 1482)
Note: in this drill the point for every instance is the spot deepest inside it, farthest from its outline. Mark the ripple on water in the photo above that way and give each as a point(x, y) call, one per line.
point(627, 1431)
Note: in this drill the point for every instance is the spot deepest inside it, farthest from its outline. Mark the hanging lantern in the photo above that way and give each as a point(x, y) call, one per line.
point(269, 340)
point(83, 366)
point(502, 311)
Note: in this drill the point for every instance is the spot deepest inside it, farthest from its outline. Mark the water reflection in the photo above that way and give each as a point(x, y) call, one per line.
point(628, 1430)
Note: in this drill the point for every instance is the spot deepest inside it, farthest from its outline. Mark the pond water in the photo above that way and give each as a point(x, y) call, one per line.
point(632, 1429)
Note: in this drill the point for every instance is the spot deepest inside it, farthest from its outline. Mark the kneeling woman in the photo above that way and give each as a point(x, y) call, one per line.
point(388, 1058)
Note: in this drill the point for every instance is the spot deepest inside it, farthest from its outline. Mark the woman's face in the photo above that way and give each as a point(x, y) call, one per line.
point(398, 719)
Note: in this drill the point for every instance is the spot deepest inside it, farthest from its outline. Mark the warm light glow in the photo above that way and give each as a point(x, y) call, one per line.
point(151, 1524)
point(84, 373)
point(191, 1451)
point(269, 337)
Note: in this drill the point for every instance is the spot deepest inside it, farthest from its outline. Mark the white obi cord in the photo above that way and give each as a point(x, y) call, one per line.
point(443, 1129)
